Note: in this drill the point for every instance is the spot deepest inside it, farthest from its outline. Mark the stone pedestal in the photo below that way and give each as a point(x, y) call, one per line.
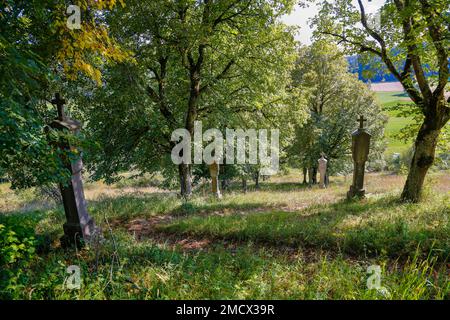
point(323, 171)
point(214, 172)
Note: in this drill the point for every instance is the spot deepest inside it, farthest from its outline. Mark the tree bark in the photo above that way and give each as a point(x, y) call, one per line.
point(314, 175)
point(257, 180)
point(225, 184)
point(304, 175)
point(423, 158)
point(184, 171)
point(244, 185)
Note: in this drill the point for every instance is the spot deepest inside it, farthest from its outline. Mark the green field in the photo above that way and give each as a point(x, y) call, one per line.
point(395, 123)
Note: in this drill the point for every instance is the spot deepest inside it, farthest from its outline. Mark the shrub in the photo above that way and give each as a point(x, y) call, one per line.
point(17, 249)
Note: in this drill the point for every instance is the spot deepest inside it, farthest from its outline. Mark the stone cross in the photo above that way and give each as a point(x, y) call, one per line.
point(79, 226)
point(360, 152)
point(322, 170)
point(361, 122)
point(59, 103)
point(214, 171)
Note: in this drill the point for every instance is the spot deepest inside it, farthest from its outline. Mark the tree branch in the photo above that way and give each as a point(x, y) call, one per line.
point(442, 53)
point(407, 85)
point(220, 76)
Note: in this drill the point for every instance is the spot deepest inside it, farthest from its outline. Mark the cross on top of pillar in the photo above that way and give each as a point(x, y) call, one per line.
point(59, 102)
point(361, 121)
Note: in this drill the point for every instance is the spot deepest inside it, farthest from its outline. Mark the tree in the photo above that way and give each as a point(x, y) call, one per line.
point(38, 50)
point(194, 60)
point(413, 41)
point(335, 98)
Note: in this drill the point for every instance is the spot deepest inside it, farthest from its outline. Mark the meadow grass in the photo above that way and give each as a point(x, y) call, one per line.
point(389, 98)
point(395, 122)
point(283, 241)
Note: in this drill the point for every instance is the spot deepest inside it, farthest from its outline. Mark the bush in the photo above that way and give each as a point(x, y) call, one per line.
point(376, 165)
point(17, 249)
point(49, 192)
point(442, 161)
point(399, 163)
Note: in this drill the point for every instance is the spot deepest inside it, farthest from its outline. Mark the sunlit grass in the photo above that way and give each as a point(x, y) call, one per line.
point(283, 241)
point(395, 122)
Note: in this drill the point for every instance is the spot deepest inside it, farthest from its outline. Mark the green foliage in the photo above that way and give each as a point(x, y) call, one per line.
point(234, 56)
point(26, 155)
point(335, 99)
point(152, 271)
point(411, 119)
point(412, 40)
point(17, 249)
point(14, 247)
point(399, 162)
point(37, 51)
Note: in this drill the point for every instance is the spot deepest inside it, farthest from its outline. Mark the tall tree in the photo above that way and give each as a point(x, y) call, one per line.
point(37, 50)
point(194, 60)
point(334, 98)
point(412, 39)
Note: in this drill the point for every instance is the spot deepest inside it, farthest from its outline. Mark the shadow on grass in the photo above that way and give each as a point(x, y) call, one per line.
point(401, 94)
point(126, 207)
point(187, 209)
point(147, 272)
point(348, 226)
point(280, 186)
point(368, 227)
point(269, 186)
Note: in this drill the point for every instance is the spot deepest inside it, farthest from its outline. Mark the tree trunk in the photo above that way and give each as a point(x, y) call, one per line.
point(225, 184)
point(244, 185)
point(310, 177)
point(184, 171)
point(423, 158)
point(257, 180)
point(314, 175)
point(304, 175)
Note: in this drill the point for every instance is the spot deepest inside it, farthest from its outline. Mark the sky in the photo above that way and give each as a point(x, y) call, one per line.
point(300, 17)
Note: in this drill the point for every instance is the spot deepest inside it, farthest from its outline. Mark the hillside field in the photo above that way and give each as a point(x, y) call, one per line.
point(395, 123)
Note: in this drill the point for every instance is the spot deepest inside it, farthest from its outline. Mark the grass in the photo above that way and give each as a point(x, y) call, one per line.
point(391, 98)
point(393, 127)
point(395, 123)
point(283, 241)
point(375, 227)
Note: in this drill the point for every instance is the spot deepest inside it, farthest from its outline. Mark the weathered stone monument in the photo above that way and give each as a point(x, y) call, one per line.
point(360, 151)
point(214, 172)
point(322, 170)
point(79, 225)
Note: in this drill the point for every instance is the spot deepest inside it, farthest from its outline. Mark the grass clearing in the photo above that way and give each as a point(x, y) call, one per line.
point(284, 241)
